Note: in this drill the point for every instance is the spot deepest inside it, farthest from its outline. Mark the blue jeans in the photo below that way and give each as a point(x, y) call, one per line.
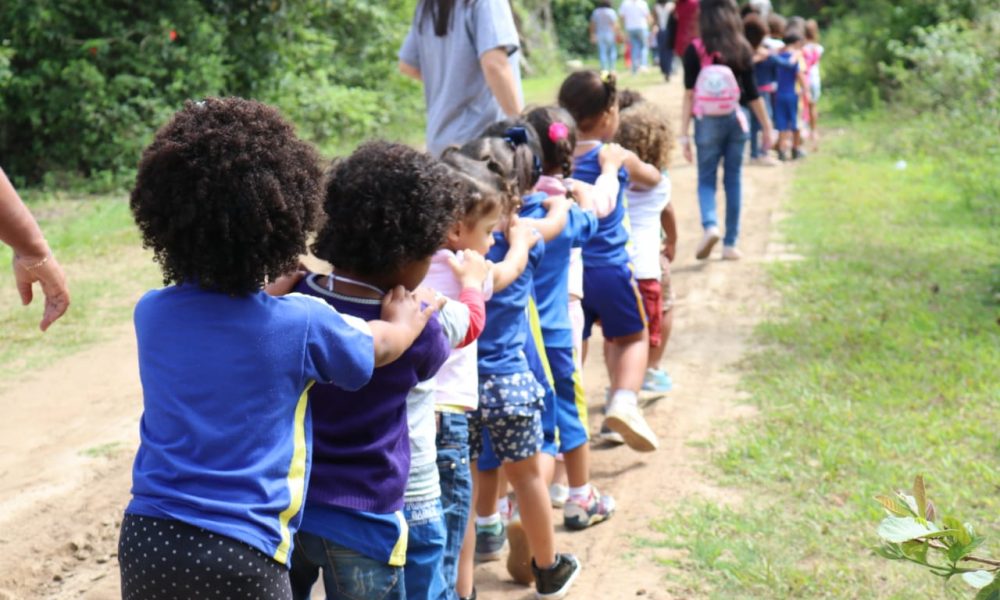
point(666, 53)
point(607, 51)
point(456, 489)
point(425, 552)
point(720, 139)
point(756, 128)
point(347, 574)
point(638, 38)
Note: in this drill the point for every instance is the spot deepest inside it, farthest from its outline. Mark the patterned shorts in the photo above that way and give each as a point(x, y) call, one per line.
point(509, 417)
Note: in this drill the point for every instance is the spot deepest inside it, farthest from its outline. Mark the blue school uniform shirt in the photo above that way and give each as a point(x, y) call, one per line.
point(226, 434)
point(766, 72)
point(786, 74)
point(608, 246)
point(501, 345)
point(552, 277)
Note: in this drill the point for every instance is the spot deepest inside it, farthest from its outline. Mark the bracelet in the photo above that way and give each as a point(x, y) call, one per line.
point(37, 264)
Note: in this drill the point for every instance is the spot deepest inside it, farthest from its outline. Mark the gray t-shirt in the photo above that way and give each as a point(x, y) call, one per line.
point(460, 104)
point(604, 20)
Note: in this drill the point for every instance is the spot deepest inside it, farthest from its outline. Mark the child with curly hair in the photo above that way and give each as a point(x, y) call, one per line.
point(225, 196)
point(506, 430)
point(388, 209)
point(645, 130)
point(610, 290)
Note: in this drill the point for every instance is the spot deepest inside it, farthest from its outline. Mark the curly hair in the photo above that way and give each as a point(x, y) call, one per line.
point(225, 195)
point(484, 187)
point(557, 154)
point(645, 130)
point(587, 95)
point(627, 98)
point(386, 205)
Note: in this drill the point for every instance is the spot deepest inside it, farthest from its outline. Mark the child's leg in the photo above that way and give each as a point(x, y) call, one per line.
point(456, 486)
point(486, 498)
point(465, 583)
point(629, 355)
point(536, 513)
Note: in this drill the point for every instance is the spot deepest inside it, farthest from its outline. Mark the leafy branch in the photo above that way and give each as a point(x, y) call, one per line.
point(911, 533)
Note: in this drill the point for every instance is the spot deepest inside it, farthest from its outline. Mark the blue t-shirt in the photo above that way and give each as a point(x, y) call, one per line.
point(460, 104)
point(501, 345)
point(766, 72)
point(608, 246)
point(226, 435)
point(786, 74)
point(552, 277)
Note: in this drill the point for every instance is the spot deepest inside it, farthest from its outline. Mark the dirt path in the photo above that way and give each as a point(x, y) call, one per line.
point(68, 434)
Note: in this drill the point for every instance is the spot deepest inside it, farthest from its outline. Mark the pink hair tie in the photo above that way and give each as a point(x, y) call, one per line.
point(558, 132)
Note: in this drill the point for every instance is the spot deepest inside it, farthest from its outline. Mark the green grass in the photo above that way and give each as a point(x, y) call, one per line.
point(98, 246)
point(882, 363)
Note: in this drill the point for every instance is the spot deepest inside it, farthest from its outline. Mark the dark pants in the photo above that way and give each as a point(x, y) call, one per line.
point(666, 53)
point(347, 574)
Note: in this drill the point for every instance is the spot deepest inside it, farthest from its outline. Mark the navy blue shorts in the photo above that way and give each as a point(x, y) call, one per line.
point(786, 113)
point(571, 401)
point(611, 295)
point(507, 425)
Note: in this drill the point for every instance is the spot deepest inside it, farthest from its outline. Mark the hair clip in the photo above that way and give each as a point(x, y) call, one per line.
point(558, 132)
point(607, 77)
point(516, 136)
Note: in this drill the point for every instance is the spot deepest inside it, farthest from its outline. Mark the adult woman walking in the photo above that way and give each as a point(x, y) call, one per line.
point(604, 32)
point(686, 24)
point(724, 136)
point(466, 54)
point(636, 18)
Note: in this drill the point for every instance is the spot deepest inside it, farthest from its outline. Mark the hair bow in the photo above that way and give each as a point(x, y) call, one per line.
point(516, 136)
point(558, 132)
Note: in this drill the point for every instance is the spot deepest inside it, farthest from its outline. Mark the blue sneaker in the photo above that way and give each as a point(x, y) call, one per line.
point(657, 380)
point(491, 540)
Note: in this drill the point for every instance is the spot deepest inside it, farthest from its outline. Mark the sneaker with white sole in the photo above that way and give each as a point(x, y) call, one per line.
point(580, 514)
point(708, 242)
point(731, 253)
point(627, 420)
point(609, 436)
point(657, 380)
point(559, 494)
point(554, 582)
point(490, 542)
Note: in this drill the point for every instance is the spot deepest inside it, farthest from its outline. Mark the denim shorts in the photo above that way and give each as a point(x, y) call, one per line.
point(456, 487)
point(509, 417)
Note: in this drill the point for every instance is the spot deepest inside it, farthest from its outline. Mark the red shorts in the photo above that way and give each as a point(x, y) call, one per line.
point(652, 301)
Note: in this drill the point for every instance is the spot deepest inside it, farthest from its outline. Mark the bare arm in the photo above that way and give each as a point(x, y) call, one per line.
point(685, 137)
point(668, 222)
point(410, 71)
point(554, 221)
point(760, 111)
point(402, 322)
point(521, 238)
point(500, 77)
point(33, 260)
point(641, 173)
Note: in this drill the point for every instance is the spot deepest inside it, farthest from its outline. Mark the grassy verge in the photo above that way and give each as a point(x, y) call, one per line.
point(883, 362)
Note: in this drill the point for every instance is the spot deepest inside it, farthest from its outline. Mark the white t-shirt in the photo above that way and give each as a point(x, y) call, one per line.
point(635, 14)
point(644, 208)
point(457, 382)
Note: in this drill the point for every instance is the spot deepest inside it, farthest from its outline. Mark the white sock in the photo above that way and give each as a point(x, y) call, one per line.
point(503, 505)
point(626, 397)
point(580, 493)
point(488, 520)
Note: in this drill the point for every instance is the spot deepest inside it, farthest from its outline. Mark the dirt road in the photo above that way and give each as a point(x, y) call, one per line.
point(69, 431)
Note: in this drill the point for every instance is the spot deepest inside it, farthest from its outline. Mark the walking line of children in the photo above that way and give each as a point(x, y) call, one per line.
point(363, 426)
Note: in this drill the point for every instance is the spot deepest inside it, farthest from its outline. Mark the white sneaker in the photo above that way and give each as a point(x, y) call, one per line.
point(627, 420)
point(731, 253)
point(559, 494)
point(708, 242)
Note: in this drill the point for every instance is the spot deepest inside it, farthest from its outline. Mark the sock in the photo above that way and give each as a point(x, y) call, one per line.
point(626, 397)
point(503, 506)
point(491, 523)
point(580, 493)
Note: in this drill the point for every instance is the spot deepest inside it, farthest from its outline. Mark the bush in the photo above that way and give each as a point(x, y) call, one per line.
point(572, 23)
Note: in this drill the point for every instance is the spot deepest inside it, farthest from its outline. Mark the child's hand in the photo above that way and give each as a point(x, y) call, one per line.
point(612, 157)
point(426, 295)
point(402, 308)
point(519, 233)
point(686, 146)
point(286, 283)
point(669, 249)
point(560, 202)
point(472, 270)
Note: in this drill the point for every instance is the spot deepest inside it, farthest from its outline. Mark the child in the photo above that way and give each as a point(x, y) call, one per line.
point(456, 384)
point(388, 209)
point(812, 52)
point(644, 129)
point(765, 72)
point(225, 196)
point(610, 290)
point(509, 414)
point(585, 506)
point(786, 98)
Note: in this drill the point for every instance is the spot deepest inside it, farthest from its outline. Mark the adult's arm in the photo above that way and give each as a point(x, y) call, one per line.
point(410, 71)
point(33, 261)
point(499, 76)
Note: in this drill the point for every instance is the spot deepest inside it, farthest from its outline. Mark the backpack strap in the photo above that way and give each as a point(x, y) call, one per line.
point(704, 57)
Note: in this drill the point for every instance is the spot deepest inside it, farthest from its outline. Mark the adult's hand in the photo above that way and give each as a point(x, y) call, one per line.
point(47, 272)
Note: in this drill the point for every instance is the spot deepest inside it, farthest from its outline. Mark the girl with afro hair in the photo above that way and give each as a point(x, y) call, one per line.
point(225, 196)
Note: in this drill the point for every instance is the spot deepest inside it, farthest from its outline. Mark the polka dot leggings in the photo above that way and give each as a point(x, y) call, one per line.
point(165, 560)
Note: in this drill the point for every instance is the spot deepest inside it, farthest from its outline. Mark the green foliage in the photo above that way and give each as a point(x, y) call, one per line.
point(572, 21)
point(909, 533)
point(83, 85)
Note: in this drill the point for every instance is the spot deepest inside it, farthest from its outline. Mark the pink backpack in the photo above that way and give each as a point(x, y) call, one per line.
point(716, 93)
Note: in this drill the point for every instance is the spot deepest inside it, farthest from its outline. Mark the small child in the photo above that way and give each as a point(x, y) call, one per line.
point(644, 129)
point(765, 72)
point(812, 52)
point(225, 196)
point(611, 293)
point(509, 415)
point(786, 98)
point(388, 210)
